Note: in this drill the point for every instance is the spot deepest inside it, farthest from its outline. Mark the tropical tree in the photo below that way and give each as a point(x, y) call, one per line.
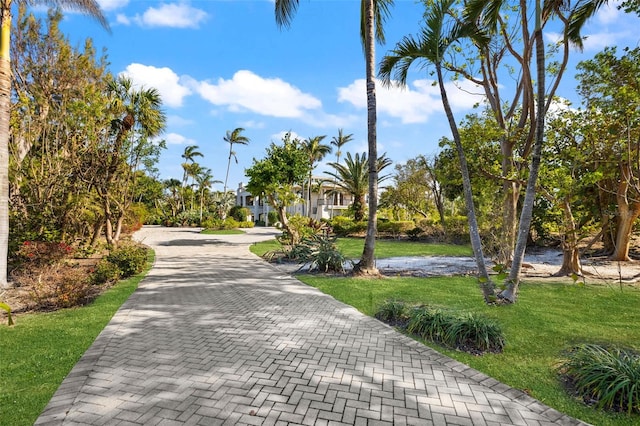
point(316, 151)
point(190, 153)
point(435, 39)
point(372, 18)
point(352, 178)
point(610, 89)
point(136, 118)
point(233, 137)
point(205, 181)
point(536, 97)
point(89, 7)
point(275, 176)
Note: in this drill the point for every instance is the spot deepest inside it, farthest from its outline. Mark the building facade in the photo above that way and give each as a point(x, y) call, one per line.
point(326, 202)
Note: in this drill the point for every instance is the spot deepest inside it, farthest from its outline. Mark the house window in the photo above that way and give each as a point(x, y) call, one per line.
point(249, 201)
point(338, 199)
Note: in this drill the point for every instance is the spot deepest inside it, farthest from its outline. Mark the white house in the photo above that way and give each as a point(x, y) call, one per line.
point(326, 201)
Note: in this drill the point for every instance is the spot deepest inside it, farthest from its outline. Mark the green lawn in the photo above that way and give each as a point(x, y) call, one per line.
point(222, 231)
point(39, 351)
point(352, 248)
point(546, 320)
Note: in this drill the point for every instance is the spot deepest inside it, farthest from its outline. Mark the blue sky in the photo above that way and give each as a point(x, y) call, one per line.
point(222, 64)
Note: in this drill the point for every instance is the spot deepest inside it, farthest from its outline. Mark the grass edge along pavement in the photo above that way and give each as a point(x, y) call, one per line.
point(548, 319)
point(38, 352)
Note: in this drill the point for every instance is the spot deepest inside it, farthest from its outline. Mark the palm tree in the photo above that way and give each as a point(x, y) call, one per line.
point(189, 155)
point(352, 177)
point(138, 113)
point(234, 137)
point(339, 141)
point(316, 151)
point(89, 7)
point(205, 181)
point(372, 17)
point(436, 37)
point(488, 14)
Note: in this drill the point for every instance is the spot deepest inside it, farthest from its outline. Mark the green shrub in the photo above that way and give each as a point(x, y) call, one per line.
point(130, 258)
point(471, 331)
point(321, 252)
point(608, 377)
point(344, 226)
point(230, 223)
point(414, 234)
point(429, 323)
point(395, 228)
point(246, 224)
point(393, 311)
point(105, 272)
point(239, 213)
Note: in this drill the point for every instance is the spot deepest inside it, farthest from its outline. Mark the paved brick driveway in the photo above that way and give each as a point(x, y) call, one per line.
point(214, 335)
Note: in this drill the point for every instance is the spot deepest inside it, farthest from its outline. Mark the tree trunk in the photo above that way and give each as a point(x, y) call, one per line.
point(5, 114)
point(118, 231)
point(628, 212)
point(486, 285)
point(366, 266)
point(626, 218)
point(513, 281)
point(293, 233)
point(97, 230)
point(511, 195)
point(570, 253)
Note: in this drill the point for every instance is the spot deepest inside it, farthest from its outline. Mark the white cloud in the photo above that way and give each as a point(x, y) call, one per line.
point(177, 139)
point(163, 79)
point(123, 19)
point(415, 103)
point(174, 15)
point(247, 91)
point(108, 5)
point(609, 12)
point(598, 41)
point(278, 137)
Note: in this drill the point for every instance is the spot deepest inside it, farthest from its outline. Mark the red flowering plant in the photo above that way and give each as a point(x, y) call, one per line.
point(44, 252)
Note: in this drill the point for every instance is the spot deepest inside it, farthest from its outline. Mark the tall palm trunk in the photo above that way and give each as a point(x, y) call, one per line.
point(5, 113)
point(486, 285)
point(367, 261)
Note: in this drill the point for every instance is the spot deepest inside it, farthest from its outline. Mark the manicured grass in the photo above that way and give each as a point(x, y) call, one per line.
point(39, 351)
point(222, 231)
point(352, 248)
point(547, 319)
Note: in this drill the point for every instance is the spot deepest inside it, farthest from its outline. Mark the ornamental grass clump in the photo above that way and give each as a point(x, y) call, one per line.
point(606, 377)
point(469, 332)
point(393, 312)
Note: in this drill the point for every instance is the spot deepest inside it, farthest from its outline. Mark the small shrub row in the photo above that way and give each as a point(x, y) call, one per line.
point(605, 377)
point(469, 332)
point(129, 258)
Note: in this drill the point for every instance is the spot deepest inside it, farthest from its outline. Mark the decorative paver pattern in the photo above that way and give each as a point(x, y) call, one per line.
point(216, 336)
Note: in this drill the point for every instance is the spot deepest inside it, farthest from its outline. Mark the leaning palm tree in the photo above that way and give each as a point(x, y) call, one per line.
point(90, 7)
point(233, 137)
point(436, 37)
point(372, 17)
point(316, 151)
point(352, 177)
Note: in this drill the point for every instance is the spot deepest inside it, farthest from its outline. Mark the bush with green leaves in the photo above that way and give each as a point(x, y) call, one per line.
point(393, 311)
point(321, 252)
point(469, 332)
point(105, 272)
point(607, 377)
point(344, 226)
point(395, 228)
point(239, 213)
point(130, 258)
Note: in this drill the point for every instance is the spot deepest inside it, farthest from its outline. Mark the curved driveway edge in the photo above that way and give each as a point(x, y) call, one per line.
point(214, 335)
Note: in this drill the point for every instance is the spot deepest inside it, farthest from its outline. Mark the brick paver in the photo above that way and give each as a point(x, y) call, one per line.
point(216, 336)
